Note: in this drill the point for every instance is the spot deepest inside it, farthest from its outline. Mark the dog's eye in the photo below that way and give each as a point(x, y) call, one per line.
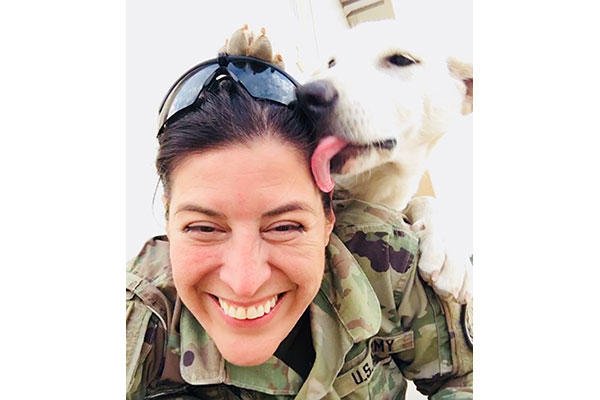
point(331, 62)
point(400, 60)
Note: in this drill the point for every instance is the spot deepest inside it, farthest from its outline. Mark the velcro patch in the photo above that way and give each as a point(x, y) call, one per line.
point(383, 346)
point(358, 376)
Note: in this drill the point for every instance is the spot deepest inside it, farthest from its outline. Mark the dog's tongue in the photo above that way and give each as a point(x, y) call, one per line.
point(327, 148)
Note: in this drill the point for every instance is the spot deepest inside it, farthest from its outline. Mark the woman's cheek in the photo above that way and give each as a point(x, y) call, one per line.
point(301, 262)
point(190, 264)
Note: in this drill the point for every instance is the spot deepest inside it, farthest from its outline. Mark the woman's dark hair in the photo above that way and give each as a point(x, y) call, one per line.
point(228, 116)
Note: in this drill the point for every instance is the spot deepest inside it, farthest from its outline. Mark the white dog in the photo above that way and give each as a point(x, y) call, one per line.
point(388, 95)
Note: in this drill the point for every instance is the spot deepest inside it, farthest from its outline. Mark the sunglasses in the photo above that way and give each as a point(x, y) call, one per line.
point(260, 79)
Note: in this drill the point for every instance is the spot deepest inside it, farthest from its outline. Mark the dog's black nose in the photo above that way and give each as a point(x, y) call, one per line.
point(317, 98)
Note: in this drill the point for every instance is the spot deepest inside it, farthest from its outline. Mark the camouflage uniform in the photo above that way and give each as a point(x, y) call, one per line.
point(373, 323)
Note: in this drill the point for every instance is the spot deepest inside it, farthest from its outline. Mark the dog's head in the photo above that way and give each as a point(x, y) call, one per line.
point(387, 96)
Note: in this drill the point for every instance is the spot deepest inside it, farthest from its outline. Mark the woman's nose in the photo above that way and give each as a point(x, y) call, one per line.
point(245, 268)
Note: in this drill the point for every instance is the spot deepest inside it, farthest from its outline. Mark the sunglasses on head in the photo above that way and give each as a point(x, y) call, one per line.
point(260, 79)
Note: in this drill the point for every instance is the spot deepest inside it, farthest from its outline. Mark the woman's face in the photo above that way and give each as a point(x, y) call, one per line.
point(247, 234)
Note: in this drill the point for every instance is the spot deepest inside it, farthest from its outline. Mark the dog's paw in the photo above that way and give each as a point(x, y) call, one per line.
point(243, 42)
point(454, 281)
point(239, 42)
point(433, 253)
point(447, 273)
point(261, 47)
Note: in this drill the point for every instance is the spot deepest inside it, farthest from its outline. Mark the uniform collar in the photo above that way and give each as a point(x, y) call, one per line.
point(349, 291)
point(345, 311)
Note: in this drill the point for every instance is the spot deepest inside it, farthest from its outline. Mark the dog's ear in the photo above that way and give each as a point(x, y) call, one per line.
point(463, 71)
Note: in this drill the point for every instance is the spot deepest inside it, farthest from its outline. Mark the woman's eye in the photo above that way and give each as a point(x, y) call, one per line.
point(287, 228)
point(204, 231)
point(283, 231)
point(202, 228)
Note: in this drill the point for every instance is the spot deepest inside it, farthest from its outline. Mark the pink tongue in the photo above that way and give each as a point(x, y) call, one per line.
point(327, 148)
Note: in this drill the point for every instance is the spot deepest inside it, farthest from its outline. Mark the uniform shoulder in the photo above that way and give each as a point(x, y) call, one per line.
point(152, 264)
point(373, 224)
point(352, 212)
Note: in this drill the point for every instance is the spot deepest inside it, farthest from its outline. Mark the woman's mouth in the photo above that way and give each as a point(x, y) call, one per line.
point(252, 311)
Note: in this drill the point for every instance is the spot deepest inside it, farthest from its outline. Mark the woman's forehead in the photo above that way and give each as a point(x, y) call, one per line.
point(243, 172)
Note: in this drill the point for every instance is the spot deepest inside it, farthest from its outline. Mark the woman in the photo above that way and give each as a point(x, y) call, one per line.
point(252, 295)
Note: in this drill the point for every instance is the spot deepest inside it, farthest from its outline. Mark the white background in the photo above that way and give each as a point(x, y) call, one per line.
point(63, 201)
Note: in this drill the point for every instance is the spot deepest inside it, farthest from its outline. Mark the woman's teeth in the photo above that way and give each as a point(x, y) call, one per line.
point(252, 312)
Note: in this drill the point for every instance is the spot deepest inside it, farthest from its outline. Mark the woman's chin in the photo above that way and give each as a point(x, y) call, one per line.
point(247, 355)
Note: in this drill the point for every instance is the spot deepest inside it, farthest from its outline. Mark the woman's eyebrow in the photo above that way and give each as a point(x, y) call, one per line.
point(198, 209)
point(289, 207)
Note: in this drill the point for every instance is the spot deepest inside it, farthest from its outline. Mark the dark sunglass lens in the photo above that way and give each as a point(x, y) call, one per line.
point(188, 89)
point(264, 82)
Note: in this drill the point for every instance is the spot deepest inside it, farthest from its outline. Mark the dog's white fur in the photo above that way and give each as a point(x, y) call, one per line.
point(412, 104)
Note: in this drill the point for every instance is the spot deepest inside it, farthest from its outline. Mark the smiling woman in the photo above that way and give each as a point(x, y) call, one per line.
point(248, 259)
point(258, 290)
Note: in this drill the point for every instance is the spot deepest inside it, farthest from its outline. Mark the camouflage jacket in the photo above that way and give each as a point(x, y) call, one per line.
point(373, 322)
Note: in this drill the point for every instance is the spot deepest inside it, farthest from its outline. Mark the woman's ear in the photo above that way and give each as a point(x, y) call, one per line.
point(329, 224)
point(165, 200)
point(329, 219)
